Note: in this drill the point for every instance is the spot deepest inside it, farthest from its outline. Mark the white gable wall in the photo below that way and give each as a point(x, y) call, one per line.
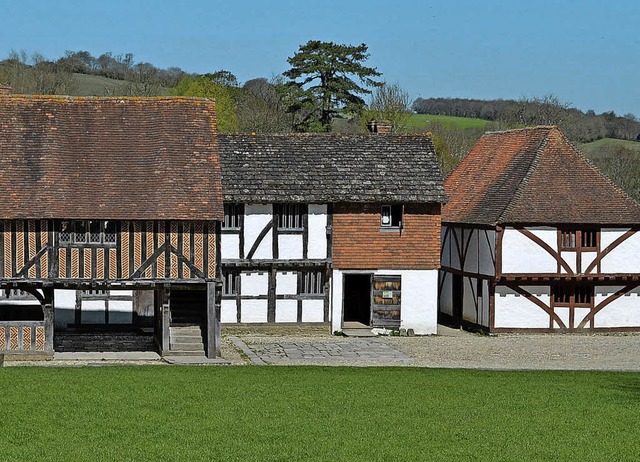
point(522, 255)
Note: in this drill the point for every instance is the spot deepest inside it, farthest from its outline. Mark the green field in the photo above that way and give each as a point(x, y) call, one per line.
point(96, 85)
point(598, 148)
point(314, 413)
point(459, 123)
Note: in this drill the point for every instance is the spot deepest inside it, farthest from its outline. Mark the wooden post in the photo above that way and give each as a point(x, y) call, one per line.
point(166, 318)
point(213, 321)
point(47, 308)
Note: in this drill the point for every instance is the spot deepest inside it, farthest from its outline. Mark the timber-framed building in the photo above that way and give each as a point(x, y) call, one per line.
point(108, 196)
point(535, 238)
point(341, 230)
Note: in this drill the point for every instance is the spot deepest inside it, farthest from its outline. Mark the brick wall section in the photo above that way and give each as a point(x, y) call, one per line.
point(358, 242)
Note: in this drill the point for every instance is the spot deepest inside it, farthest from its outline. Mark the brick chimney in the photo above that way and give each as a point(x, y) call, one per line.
point(381, 128)
point(5, 90)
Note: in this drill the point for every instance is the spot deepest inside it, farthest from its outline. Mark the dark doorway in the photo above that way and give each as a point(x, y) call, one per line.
point(357, 298)
point(457, 295)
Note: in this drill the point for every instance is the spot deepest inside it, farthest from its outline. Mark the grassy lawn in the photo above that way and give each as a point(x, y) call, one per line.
point(597, 148)
point(314, 413)
point(459, 123)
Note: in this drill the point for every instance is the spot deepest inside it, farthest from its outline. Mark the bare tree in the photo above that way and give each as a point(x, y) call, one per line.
point(389, 103)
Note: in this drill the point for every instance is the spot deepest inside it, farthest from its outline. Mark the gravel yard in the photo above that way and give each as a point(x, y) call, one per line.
point(450, 349)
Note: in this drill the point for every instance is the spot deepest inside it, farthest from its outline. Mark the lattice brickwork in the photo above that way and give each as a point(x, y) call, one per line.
point(137, 246)
point(44, 241)
point(149, 272)
point(186, 248)
point(31, 251)
point(19, 245)
point(75, 263)
point(3, 338)
point(100, 263)
point(174, 244)
point(161, 240)
point(211, 250)
point(113, 264)
point(198, 250)
point(62, 262)
point(13, 338)
point(40, 336)
point(7, 249)
point(124, 251)
point(26, 337)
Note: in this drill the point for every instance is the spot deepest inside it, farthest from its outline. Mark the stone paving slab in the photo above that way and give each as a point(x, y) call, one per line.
point(323, 351)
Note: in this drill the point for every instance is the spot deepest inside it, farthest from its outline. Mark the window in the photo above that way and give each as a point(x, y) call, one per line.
point(87, 232)
point(230, 282)
point(232, 216)
point(579, 240)
point(567, 239)
point(582, 295)
point(290, 216)
point(312, 283)
point(391, 216)
point(95, 293)
point(589, 239)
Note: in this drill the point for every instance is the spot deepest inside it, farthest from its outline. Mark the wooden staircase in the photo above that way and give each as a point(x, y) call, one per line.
point(188, 318)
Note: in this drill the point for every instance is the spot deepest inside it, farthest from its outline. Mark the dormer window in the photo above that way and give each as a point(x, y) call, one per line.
point(391, 216)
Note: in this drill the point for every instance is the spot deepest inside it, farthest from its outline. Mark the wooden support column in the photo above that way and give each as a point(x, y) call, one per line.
point(48, 311)
point(213, 319)
point(165, 316)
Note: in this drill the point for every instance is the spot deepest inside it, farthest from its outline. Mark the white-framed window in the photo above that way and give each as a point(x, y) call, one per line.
point(290, 216)
point(87, 232)
point(391, 216)
point(312, 282)
point(233, 216)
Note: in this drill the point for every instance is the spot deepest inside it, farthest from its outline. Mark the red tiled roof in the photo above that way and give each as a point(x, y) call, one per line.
point(533, 176)
point(109, 158)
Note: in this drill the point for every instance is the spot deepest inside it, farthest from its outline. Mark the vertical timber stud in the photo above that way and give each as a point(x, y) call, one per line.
point(47, 308)
point(166, 318)
point(213, 321)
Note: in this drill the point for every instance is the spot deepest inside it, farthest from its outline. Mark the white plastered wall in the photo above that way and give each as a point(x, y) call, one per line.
point(317, 221)
point(418, 310)
point(515, 311)
point(256, 217)
point(625, 258)
point(230, 246)
point(522, 255)
point(290, 247)
point(621, 312)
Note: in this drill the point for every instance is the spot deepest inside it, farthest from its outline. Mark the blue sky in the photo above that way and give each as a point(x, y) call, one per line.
point(585, 52)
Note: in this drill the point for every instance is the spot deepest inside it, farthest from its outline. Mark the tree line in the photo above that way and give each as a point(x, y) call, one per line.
point(579, 126)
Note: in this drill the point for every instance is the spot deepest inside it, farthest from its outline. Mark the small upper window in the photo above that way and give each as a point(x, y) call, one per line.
point(568, 239)
point(582, 294)
point(290, 216)
point(391, 216)
point(232, 216)
point(87, 232)
point(582, 239)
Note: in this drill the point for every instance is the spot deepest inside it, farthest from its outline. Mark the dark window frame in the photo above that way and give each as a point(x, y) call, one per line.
point(576, 295)
point(230, 283)
point(290, 217)
point(391, 216)
point(233, 217)
point(82, 233)
point(579, 239)
point(312, 282)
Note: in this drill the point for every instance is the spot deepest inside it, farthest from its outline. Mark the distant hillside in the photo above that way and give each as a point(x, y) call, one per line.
point(421, 122)
point(96, 85)
point(579, 126)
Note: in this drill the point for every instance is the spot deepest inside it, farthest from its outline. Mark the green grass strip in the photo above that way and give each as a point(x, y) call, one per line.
point(315, 413)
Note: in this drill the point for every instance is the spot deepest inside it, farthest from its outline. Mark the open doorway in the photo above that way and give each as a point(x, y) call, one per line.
point(357, 298)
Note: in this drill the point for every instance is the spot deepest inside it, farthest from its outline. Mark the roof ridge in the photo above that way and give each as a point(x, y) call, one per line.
point(521, 129)
point(525, 179)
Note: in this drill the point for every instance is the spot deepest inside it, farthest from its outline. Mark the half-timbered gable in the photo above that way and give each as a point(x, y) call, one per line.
point(535, 237)
point(107, 194)
point(305, 212)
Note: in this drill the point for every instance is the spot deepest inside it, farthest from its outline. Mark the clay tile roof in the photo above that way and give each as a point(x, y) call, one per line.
point(330, 168)
point(109, 158)
point(533, 176)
